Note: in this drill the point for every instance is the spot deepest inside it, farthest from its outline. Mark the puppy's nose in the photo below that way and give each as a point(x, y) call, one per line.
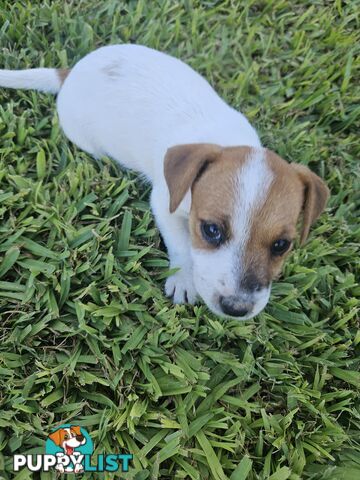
point(234, 307)
point(80, 438)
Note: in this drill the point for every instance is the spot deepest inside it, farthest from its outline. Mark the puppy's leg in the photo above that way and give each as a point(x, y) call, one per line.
point(175, 232)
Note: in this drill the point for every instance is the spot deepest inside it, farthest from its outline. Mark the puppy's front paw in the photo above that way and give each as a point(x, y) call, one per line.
point(181, 288)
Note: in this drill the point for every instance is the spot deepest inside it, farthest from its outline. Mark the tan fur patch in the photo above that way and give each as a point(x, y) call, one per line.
point(63, 73)
point(276, 219)
point(316, 195)
point(182, 165)
point(213, 195)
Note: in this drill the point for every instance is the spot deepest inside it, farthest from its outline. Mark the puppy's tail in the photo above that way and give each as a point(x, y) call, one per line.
point(43, 79)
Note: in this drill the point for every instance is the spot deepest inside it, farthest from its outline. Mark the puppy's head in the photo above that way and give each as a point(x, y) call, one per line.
point(245, 205)
point(68, 438)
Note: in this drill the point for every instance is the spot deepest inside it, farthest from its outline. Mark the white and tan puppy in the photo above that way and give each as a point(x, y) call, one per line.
point(226, 207)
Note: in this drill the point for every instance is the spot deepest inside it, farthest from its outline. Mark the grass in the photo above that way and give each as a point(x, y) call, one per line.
point(86, 333)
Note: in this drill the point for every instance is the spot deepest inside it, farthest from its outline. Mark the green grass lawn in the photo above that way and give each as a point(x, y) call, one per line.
point(86, 335)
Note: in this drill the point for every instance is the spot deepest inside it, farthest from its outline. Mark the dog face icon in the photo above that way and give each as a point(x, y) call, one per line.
point(68, 438)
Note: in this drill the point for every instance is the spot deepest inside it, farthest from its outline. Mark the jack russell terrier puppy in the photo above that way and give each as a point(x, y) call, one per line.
point(226, 207)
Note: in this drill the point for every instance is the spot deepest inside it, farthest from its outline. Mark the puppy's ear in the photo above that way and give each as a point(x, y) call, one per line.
point(316, 195)
point(76, 429)
point(56, 437)
point(183, 165)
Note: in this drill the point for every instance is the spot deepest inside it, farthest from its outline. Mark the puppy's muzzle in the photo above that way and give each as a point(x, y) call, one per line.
point(235, 306)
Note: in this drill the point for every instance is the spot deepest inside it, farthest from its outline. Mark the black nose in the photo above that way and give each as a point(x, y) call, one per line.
point(233, 307)
point(80, 438)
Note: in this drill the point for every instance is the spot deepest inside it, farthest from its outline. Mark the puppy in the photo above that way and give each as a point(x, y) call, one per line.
point(68, 439)
point(226, 207)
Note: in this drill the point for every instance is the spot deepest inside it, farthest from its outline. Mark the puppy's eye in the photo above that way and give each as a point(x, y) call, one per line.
point(212, 233)
point(279, 247)
point(66, 437)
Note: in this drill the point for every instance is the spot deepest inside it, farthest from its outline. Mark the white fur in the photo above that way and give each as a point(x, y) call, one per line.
point(132, 103)
point(252, 184)
point(43, 79)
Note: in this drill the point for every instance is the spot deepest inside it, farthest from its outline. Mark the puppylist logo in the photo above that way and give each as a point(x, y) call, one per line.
point(69, 449)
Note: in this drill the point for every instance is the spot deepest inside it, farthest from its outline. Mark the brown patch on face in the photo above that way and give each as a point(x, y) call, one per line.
point(275, 219)
point(63, 73)
point(213, 195)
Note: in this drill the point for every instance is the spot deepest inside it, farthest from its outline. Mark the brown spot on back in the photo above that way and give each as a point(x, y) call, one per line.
point(112, 70)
